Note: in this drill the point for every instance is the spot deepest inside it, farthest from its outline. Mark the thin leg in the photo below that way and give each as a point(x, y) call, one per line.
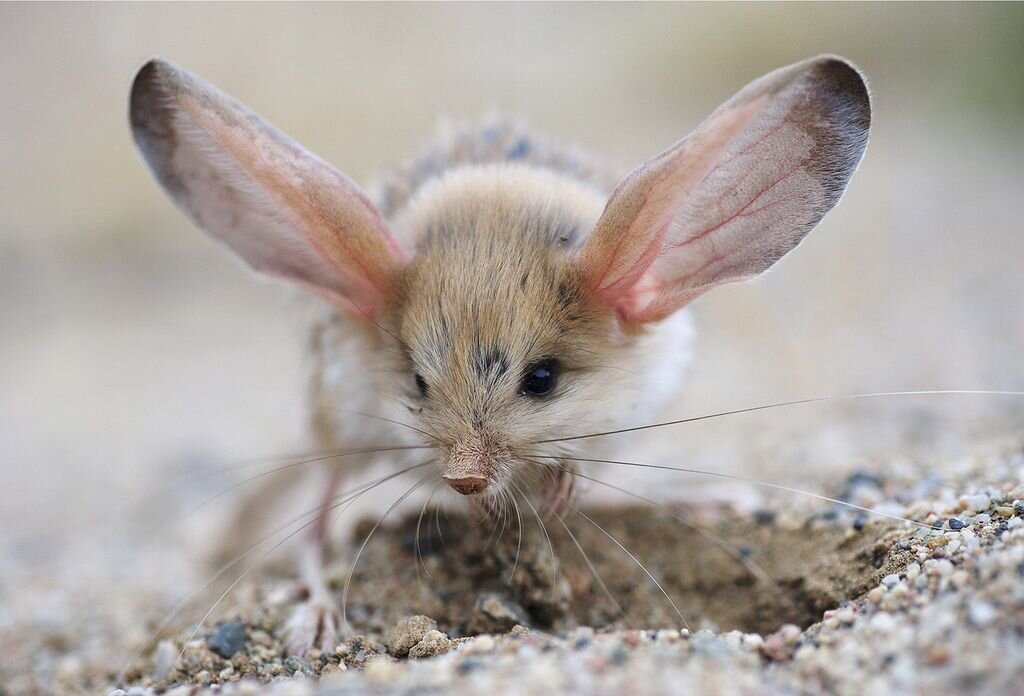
point(316, 622)
point(249, 519)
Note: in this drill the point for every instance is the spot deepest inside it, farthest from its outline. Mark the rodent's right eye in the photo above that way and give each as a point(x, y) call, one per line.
point(421, 384)
point(540, 378)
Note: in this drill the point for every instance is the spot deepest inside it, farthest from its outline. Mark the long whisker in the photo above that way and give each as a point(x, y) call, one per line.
point(437, 437)
point(551, 547)
point(247, 463)
point(593, 570)
point(519, 538)
point(193, 477)
point(355, 561)
point(727, 547)
point(419, 522)
point(390, 420)
point(377, 324)
point(252, 566)
point(339, 455)
point(755, 482)
point(504, 510)
point(173, 613)
point(637, 561)
point(437, 523)
point(765, 407)
point(486, 514)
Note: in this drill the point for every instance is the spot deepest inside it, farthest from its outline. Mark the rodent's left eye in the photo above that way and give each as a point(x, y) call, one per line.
point(540, 378)
point(421, 384)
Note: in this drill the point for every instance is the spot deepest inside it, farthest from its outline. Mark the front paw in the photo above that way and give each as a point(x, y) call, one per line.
point(314, 623)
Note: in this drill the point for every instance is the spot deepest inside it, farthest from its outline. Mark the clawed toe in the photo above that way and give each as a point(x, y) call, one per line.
point(314, 623)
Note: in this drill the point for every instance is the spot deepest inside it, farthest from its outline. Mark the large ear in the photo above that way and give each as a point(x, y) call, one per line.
point(282, 209)
point(733, 197)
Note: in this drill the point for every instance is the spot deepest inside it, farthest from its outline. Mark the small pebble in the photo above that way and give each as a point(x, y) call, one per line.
point(584, 632)
point(296, 666)
point(753, 641)
point(891, 580)
point(804, 653)
point(978, 502)
point(469, 664)
point(781, 644)
point(164, 659)
point(956, 524)
point(846, 615)
point(1015, 523)
point(981, 614)
point(666, 635)
point(883, 622)
point(228, 639)
point(379, 670)
point(495, 613)
point(407, 633)
point(1004, 511)
point(434, 643)
point(1018, 507)
point(482, 644)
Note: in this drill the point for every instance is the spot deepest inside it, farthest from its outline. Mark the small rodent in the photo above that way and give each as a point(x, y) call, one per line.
point(495, 297)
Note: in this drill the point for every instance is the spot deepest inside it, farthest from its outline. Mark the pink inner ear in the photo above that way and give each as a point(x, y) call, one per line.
point(334, 217)
point(734, 197)
point(637, 225)
point(282, 209)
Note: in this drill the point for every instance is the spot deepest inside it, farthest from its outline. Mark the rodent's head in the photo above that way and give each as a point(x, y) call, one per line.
point(521, 293)
point(503, 343)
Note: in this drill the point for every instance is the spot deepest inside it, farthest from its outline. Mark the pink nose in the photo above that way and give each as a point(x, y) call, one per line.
point(467, 485)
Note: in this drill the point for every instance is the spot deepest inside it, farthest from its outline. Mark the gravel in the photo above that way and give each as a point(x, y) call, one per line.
point(892, 608)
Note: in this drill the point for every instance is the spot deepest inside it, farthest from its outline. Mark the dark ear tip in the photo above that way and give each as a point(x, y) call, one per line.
point(846, 81)
point(150, 71)
point(140, 99)
point(149, 115)
point(154, 83)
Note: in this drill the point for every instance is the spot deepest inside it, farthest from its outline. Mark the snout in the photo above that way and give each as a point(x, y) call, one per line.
point(466, 485)
point(473, 464)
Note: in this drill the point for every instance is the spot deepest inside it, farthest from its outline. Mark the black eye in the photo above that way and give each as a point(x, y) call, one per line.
point(540, 378)
point(421, 384)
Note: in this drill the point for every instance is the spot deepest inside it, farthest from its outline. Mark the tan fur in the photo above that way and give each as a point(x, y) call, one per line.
point(493, 253)
point(494, 287)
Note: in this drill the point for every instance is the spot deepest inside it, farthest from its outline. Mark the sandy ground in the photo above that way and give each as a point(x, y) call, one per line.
point(790, 599)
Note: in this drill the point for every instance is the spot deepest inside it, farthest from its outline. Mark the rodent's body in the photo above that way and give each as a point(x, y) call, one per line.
point(498, 300)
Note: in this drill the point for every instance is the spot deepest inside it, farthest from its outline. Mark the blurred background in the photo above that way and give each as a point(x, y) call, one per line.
point(131, 347)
